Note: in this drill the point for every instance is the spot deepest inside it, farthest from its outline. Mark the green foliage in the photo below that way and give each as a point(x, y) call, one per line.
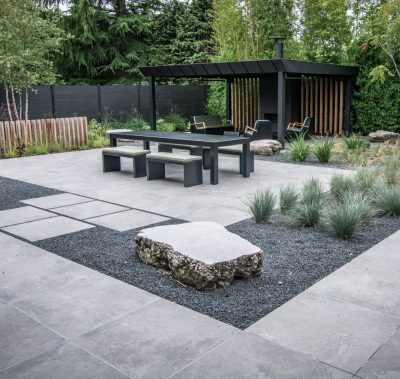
point(365, 179)
point(308, 211)
point(361, 205)
point(96, 135)
point(324, 148)
point(387, 199)
point(340, 184)
point(356, 142)
point(178, 121)
point(392, 170)
point(261, 205)
point(343, 219)
point(135, 123)
point(288, 197)
point(165, 126)
point(299, 149)
point(216, 103)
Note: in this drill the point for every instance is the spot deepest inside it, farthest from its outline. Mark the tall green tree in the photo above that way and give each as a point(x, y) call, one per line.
point(28, 43)
point(326, 30)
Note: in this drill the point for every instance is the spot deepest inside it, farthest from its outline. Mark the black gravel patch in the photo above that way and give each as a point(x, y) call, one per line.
point(295, 258)
point(310, 161)
point(13, 191)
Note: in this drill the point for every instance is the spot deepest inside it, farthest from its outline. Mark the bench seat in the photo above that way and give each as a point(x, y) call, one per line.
point(112, 159)
point(168, 147)
point(192, 166)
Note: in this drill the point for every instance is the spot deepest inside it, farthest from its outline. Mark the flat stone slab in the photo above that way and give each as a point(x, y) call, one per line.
point(127, 220)
point(89, 209)
point(55, 201)
point(47, 228)
point(202, 254)
point(22, 214)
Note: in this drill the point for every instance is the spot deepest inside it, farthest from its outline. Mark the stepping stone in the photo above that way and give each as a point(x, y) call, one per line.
point(21, 215)
point(55, 201)
point(89, 209)
point(202, 254)
point(47, 228)
point(127, 220)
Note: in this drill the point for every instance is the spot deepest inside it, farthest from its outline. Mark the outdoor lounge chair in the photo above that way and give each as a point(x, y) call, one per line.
point(262, 130)
point(210, 125)
point(296, 128)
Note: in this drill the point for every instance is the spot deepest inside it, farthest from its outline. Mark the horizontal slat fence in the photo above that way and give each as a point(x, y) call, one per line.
point(65, 132)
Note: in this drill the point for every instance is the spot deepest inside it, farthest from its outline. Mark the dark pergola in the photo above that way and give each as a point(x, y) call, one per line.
point(280, 70)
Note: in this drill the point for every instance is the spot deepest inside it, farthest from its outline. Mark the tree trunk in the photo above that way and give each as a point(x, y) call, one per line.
point(20, 104)
point(26, 103)
point(14, 104)
point(8, 103)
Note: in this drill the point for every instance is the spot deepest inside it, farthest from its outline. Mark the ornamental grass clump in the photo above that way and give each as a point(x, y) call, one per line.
point(361, 205)
point(340, 184)
point(288, 197)
point(299, 149)
point(387, 199)
point(261, 205)
point(324, 148)
point(308, 211)
point(391, 170)
point(365, 179)
point(356, 142)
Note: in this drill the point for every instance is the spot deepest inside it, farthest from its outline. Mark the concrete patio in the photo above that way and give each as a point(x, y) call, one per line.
point(63, 320)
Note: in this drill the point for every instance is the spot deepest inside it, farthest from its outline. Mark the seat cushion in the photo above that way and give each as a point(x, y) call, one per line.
point(127, 151)
point(171, 157)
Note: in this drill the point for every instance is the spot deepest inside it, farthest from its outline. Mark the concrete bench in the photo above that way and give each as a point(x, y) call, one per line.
point(112, 159)
point(236, 150)
point(192, 166)
point(168, 148)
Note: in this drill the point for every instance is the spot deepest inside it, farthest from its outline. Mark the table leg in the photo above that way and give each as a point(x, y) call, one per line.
point(113, 142)
point(146, 145)
point(214, 165)
point(246, 157)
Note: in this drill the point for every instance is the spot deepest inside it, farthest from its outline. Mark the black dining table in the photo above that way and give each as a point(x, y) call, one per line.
point(213, 142)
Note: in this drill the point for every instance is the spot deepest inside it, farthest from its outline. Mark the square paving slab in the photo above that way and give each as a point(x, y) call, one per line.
point(22, 337)
point(156, 341)
point(90, 209)
point(55, 201)
point(247, 356)
point(65, 362)
point(47, 228)
point(127, 220)
point(21, 215)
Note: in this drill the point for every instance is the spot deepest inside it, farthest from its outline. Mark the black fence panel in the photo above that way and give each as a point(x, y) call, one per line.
point(117, 101)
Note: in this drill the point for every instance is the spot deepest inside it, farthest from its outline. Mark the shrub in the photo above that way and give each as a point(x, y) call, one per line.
point(342, 218)
point(308, 211)
point(392, 170)
point(288, 197)
point(261, 205)
point(164, 126)
point(178, 121)
point(323, 149)
point(216, 99)
point(387, 199)
point(299, 149)
point(96, 134)
point(356, 142)
point(135, 123)
point(340, 184)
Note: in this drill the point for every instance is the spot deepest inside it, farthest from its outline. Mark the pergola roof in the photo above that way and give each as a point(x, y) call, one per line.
point(255, 68)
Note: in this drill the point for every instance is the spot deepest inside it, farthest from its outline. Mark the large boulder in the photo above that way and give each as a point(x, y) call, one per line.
point(265, 146)
point(382, 135)
point(201, 254)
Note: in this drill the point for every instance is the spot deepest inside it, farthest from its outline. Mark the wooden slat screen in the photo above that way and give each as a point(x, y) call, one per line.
point(323, 100)
point(245, 102)
point(62, 131)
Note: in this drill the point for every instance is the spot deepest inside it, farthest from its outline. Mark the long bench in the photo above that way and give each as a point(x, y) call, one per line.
point(112, 159)
point(169, 147)
point(236, 150)
point(192, 167)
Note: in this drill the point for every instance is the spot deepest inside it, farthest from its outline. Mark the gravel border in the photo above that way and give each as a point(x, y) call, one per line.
point(295, 258)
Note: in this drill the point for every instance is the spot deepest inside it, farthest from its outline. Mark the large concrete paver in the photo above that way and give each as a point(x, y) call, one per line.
point(21, 215)
point(247, 356)
point(54, 201)
point(341, 334)
point(21, 337)
point(385, 363)
point(65, 362)
point(156, 341)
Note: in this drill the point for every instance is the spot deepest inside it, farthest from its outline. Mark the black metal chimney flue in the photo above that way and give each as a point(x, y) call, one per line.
point(278, 47)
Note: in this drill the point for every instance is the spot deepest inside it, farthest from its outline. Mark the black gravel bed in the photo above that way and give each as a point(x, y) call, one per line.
point(13, 191)
point(310, 161)
point(295, 258)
